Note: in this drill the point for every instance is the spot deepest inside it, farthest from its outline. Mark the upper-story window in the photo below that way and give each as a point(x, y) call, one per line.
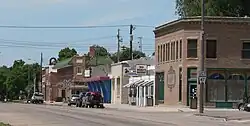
point(167, 52)
point(158, 54)
point(211, 49)
point(192, 48)
point(245, 53)
point(177, 50)
point(164, 53)
point(180, 49)
point(79, 71)
point(79, 61)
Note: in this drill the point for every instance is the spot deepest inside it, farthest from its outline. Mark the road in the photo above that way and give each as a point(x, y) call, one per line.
point(46, 115)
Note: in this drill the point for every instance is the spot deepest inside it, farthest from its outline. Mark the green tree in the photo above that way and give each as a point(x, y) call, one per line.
point(233, 8)
point(4, 71)
point(125, 54)
point(66, 53)
point(100, 50)
point(15, 78)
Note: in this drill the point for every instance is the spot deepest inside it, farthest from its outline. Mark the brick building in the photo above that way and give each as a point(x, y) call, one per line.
point(227, 54)
point(66, 79)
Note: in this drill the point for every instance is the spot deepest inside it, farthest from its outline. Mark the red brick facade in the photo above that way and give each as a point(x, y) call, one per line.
point(229, 33)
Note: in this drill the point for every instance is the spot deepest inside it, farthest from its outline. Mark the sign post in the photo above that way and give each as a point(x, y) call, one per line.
point(202, 81)
point(202, 77)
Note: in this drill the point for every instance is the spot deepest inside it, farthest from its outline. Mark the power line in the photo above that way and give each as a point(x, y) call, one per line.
point(51, 42)
point(67, 27)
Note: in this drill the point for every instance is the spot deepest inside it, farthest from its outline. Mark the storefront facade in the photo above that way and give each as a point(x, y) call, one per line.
point(226, 60)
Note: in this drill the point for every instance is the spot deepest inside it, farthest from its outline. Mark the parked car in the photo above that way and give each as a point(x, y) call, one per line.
point(91, 99)
point(73, 99)
point(36, 98)
point(245, 105)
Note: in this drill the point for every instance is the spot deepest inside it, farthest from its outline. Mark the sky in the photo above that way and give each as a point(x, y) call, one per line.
point(27, 44)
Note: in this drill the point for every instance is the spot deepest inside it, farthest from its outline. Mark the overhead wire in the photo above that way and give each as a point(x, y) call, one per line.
point(68, 27)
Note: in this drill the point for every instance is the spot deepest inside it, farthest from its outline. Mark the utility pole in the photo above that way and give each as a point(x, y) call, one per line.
point(41, 76)
point(34, 81)
point(131, 41)
point(140, 43)
point(118, 45)
point(202, 63)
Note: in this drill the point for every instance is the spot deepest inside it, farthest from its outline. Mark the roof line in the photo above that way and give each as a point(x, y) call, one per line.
point(198, 18)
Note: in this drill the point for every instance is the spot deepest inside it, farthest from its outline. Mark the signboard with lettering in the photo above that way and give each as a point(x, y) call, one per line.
point(87, 73)
point(141, 69)
point(128, 72)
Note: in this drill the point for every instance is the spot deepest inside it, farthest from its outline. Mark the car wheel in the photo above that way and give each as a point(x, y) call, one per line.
point(241, 107)
point(101, 106)
point(69, 104)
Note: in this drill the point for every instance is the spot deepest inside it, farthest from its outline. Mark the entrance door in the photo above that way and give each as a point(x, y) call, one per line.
point(192, 91)
point(63, 93)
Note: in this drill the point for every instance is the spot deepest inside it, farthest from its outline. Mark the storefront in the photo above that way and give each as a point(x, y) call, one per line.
point(141, 91)
point(101, 84)
point(227, 87)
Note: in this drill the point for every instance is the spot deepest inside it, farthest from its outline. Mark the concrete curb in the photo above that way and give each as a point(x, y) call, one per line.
point(225, 118)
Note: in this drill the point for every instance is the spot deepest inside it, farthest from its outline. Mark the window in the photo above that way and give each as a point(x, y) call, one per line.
point(164, 53)
point(79, 71)
point(177, 50)
point(161, 54)
point(118, 83)
point(211, 49)
point(192, 48)
point(158, 53)
point(245, 53)
point(79, 61)
point(180, 49)
point(173, 51)
point(167, 51)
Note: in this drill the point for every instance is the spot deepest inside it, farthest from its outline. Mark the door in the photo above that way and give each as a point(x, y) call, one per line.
point(192, 92)
point(63, 93)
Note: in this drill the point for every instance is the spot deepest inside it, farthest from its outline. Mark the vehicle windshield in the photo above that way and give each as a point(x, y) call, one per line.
point(39, 95)
point(75, 95)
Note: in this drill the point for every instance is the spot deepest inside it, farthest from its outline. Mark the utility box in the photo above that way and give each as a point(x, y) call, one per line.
point(193, 102)
point(150, 101)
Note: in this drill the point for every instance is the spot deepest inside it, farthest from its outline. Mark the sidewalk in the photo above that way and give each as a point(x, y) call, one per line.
point(127, 107)
point(161, 108)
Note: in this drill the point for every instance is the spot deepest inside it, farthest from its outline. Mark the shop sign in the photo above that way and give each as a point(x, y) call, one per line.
point(141, 69)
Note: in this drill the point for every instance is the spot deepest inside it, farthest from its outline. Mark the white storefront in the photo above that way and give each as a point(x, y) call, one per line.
point(141, 89)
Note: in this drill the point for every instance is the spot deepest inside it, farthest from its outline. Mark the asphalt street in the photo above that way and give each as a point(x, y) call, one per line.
point(46, 115)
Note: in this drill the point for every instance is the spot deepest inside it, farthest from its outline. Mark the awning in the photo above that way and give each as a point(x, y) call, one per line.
point(133, 84)
point(146, 83)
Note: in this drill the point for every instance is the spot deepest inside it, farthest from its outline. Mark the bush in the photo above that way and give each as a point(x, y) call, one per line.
point(2, 124)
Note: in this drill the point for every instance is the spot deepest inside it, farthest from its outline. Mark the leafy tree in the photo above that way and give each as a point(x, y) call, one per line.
point(15, 78)
point(4, 71)
point(66, 53)
point(125, 54)
point(233, 8)
point(100, 50)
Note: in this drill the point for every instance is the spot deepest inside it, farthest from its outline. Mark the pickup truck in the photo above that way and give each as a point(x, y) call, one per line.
point(91, 99)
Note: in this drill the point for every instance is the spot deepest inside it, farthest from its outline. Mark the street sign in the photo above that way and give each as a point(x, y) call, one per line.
point(202, 74)
point(202, 80)
point(202, 77)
